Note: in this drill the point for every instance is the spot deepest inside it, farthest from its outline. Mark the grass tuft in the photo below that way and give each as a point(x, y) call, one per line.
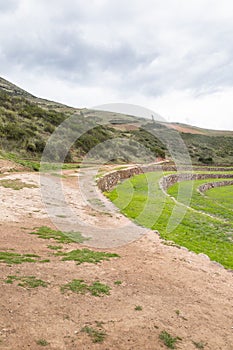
point(97, 289)
point(14, 258)
point(86, 255)
point(16, 184)
point(118, 283)
point(168, 340)
point(55, 247)
point(27, 281)
point(45, 232)
point(42, 342)
point(80, 287)
point(76, 286)
point(97, 336)
point(138, 308)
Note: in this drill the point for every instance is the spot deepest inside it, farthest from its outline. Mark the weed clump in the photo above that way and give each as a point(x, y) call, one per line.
point(15, 258)
point(97, 336)
point(168, 340)
point(27, 281)
point(86, 255)
point(80, 287)
point(45, 232)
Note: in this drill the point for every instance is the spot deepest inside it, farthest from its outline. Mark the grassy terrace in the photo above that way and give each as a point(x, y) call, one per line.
point(141, 199)
point(214, 203)
point(222, 196)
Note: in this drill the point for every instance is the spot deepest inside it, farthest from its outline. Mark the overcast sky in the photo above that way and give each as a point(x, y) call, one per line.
point(174, 57)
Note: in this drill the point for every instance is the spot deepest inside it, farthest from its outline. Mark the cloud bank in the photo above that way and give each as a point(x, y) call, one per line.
point(174, 57)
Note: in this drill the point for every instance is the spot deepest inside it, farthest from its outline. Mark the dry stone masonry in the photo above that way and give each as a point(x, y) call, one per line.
point(110, 180)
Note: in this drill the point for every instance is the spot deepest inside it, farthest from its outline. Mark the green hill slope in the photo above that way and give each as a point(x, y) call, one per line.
point(26, 123)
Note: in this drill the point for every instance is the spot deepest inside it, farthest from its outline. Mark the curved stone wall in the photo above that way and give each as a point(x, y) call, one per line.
point(170, 180)
point(205, 187)
point(110, 180)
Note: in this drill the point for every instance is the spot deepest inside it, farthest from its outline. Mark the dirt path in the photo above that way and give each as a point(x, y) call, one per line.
point(72, 204)
point(178, 291)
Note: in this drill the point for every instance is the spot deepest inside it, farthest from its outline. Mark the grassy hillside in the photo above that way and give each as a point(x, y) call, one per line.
point(205, 147)
point(26, 123)
point(24, 126)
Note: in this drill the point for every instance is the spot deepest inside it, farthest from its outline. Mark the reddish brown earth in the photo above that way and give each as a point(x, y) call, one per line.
point(181, 128)
point(179, 291)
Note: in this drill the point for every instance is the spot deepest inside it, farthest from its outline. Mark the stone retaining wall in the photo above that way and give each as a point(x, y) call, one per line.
point(170, 180)
point(110, 180)
point(209, 185)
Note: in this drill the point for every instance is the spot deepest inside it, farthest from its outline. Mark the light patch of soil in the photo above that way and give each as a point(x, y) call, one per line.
point(16, 205)
point(184, 129)
point(179, 291)
point(9, 166)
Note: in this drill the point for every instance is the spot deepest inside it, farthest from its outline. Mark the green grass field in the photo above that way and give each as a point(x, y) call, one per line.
point(218, 204)
point(223, 196)
point(141, 199)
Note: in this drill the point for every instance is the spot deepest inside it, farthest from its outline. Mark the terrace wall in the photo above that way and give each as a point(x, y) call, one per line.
point(209, 185)
point(110, 180)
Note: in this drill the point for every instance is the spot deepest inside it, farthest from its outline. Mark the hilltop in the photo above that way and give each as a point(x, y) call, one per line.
point(26, 123)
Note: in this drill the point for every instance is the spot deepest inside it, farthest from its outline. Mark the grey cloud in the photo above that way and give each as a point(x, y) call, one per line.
point(8, 6)
point(66, 54)
point(203, 73)
point(65, 44)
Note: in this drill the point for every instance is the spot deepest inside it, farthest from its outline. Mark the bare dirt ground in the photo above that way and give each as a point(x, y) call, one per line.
point(7, 165)
point(180, 292)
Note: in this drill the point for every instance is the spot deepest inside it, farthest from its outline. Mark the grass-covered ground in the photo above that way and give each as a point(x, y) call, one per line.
point(217, 202)
point(142, 199)
point(222, 196)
